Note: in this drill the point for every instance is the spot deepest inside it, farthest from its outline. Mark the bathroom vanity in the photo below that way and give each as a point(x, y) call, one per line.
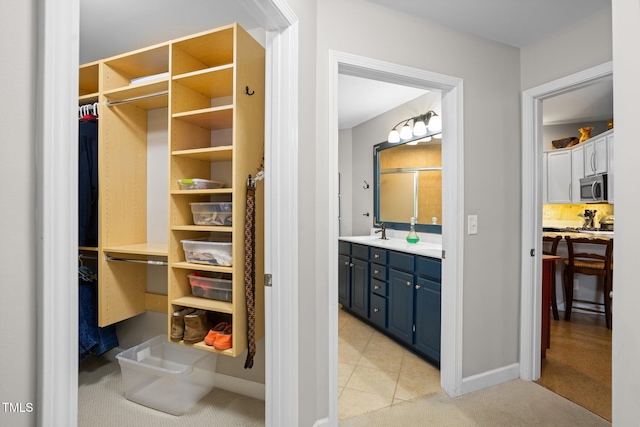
point(394, 286)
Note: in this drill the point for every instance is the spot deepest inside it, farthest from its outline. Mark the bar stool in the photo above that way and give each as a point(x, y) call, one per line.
point(550, 247)
point(599, 263)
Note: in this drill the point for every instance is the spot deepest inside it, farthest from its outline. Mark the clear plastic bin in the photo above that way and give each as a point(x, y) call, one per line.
point(166, 376)
point(203, 251)
point(199, 184)
point(211, 213)
point(211, 287)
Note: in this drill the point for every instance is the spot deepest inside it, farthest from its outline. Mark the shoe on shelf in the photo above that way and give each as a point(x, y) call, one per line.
point(223, 340)
point(177, 322)
point(214, 332)
point(196, 326)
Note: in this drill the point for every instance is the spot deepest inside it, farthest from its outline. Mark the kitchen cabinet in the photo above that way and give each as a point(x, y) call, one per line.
point(595, 154)
point(353, 280)
point(559, 176)
point(545, 179)
point(577, 172)
point(610, 168)
point(403, 295)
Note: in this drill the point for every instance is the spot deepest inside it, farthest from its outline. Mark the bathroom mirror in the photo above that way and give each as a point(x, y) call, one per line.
point(408, 183)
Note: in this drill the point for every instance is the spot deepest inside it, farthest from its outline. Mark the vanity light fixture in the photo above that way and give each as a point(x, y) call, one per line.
point(422, 124)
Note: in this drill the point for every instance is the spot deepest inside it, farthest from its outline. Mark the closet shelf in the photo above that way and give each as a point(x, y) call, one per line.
point(208, 154)
point(141, 90)
point(204, 192)
point(213, 82)
point(89, 98)
point(147, 249)
point(88, 248)
point(202, 346)
point(204, 304)
point(215, 228)
point(202, 267)
point(213, 118)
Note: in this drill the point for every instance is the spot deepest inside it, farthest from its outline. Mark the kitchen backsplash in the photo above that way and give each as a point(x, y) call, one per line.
point(568, 214)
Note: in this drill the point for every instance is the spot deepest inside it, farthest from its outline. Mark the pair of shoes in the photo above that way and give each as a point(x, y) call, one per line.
point(220, 337)
point(177, 322)
point(196, 326)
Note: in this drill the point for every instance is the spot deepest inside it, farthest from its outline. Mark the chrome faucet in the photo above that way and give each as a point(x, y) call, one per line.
point(383, 230)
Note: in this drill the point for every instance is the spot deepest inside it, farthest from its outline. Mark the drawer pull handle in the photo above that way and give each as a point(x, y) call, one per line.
point(346, 263)
point(376, 287)
point(376, 272)
point(408, 283)
point(350, 264)
point(375, 310)
point(376, 256)
point(417, 286)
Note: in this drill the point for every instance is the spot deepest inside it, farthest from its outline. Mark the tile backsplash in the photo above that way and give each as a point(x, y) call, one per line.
point(568, 214)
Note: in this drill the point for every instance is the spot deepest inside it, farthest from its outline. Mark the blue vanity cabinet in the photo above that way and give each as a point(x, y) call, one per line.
point(353, 277)
point(401, 305)
point(378, 287)
point(428, 306)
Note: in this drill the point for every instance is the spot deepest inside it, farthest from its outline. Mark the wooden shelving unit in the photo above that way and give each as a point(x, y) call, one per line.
point(216, 131)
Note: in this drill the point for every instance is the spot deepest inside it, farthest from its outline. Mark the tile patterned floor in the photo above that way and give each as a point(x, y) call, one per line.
point(375, 372)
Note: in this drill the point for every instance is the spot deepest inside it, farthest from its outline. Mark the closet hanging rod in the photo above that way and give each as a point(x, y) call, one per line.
point(83, 256)
point(137, 98)
point(137, 261)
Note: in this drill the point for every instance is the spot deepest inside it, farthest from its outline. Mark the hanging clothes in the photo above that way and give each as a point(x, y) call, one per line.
point(91, 338)
point(88, 183)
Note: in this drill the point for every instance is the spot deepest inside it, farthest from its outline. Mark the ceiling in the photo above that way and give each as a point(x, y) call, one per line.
point(112, 27)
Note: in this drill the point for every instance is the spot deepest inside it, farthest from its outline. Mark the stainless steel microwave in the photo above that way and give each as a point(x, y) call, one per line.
point(593, 188)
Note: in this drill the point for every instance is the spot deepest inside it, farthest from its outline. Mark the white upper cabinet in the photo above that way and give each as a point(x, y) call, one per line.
point(559, 176)
point(577, 172)
point(595, 154)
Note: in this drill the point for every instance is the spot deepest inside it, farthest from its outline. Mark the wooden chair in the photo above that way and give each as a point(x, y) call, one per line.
point(550, 247)
point(599, 262)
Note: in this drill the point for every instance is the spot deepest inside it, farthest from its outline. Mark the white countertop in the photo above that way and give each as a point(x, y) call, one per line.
point(433, 250)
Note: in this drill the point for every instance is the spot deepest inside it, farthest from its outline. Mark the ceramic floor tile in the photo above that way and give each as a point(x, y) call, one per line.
point(348, 353)
point(355, 402)
point(411, 386)
point(386, 359)
point(373, 381)
point(413, 365)
point(344, 373)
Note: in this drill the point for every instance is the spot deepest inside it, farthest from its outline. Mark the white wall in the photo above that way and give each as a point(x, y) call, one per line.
point(626, 317)
point(345, 168)
point(576, 48)
point(17, 210)
point(491, 74)
point(365, 136)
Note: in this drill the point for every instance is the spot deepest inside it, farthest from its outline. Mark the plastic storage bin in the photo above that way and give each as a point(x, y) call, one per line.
point(202, 251)
point(211, 213)
point(166, 376)
point(210, 287)
point(199, 184)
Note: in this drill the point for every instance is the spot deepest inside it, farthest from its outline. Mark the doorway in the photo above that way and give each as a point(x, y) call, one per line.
point(451, 90)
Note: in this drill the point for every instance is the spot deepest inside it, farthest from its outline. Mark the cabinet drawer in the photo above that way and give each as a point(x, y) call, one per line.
point(429, 267)
point(378, 256)
point(360, 251)
point(401, 261)
point(344, 248)
point(378, 287)
point(378, 272)
point(378, 312)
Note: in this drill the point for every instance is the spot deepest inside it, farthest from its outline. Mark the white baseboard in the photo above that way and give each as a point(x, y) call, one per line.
point(240, 386)
point(322, 422)
point(490, 378)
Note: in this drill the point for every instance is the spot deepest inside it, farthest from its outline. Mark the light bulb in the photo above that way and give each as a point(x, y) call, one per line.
point(419, 128)
point(435, 124)
point(405, 132)
point(394, 136)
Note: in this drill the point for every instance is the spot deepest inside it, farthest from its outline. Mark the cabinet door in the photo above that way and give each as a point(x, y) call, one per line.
point(577, 172)
point(427, 337)
point(400, 305)
point(601, 155)
point(589, 158)
point(559, 177)
point(344, 280)
point(610, 168)
point(360, 287)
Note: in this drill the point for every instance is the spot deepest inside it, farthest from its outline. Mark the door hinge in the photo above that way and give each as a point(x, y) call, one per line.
point(414, 328)
point(268, 280)
point(532, 252)
point(443, 254)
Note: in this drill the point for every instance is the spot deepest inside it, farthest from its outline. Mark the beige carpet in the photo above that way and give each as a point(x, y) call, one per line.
point(516, 403)
point(101, 403)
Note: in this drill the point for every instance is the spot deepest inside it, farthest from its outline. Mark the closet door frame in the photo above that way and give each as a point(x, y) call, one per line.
point(56, 211)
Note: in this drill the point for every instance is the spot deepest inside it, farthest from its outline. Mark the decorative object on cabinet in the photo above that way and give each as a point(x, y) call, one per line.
point(565, 142)
point(429, 122)
point(585, 133)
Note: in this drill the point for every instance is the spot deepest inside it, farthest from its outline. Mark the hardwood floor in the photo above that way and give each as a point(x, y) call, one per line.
point(578, 364)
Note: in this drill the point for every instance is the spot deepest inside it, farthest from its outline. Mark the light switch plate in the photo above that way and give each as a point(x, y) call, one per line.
point(472, 224)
